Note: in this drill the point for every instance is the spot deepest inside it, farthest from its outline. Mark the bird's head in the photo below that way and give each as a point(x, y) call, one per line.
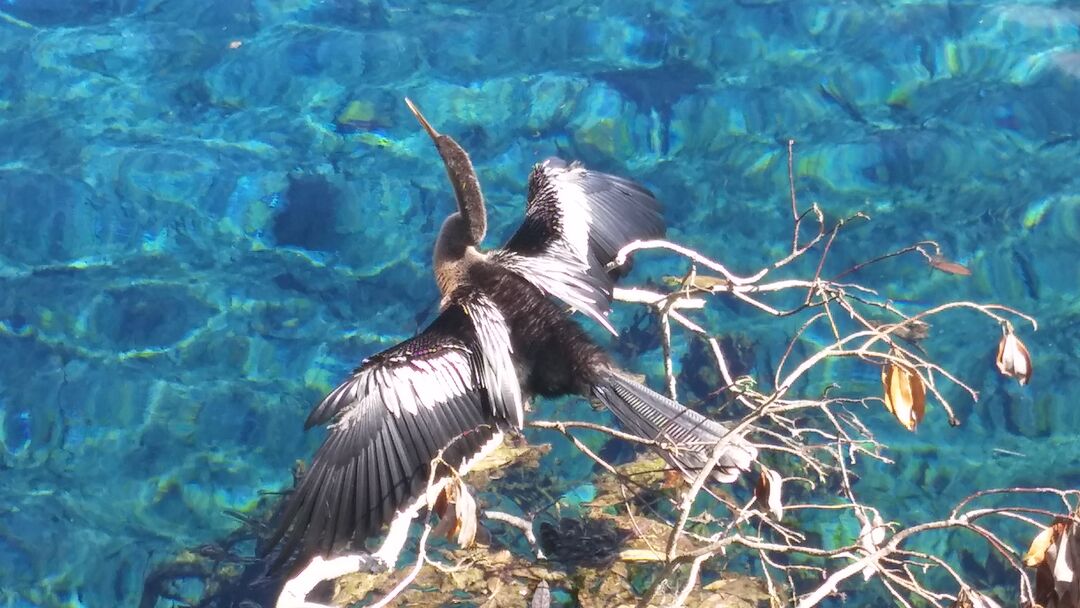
point(449, 150)
point(459, 168)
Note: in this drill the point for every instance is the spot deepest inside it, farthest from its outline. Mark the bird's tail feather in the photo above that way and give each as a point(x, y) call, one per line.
point(689, 436)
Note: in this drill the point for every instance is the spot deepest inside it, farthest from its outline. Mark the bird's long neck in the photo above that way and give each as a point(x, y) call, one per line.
point(455, 251)
point(470, 198)
point(462, 232)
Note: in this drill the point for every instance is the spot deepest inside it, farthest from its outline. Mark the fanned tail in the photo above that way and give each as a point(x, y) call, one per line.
point(690, 435)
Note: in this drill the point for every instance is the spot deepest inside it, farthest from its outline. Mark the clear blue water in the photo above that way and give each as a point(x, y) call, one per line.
point(209, 211)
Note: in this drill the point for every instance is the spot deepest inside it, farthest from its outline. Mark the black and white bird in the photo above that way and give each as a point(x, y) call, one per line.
point(463, 383)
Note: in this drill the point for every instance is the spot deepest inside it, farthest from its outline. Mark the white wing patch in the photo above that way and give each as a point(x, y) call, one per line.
point(576, 221)
point(576, 217)
point(500, 375)
point(566, 269)
point(561, 274)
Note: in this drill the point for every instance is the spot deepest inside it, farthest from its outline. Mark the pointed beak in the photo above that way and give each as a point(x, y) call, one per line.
point(423, 121)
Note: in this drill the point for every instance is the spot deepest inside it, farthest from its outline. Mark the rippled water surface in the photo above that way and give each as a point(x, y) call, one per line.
point(210, 211)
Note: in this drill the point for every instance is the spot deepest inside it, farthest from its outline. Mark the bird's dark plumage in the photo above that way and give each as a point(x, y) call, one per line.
point(499, 340)
point(576, 221)
point(391, 419)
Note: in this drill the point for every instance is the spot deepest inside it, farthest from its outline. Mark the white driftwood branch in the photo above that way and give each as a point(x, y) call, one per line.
point(637, 295)
point(296, 590)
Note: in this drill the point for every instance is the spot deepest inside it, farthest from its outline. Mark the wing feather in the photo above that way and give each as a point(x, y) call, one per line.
point(362, 514)
point(497, 364)
point(576, 221)
point(389, 421)
point(333, 504)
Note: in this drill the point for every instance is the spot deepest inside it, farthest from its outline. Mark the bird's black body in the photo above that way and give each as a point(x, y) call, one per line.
point(553, 354)
point(445, 398)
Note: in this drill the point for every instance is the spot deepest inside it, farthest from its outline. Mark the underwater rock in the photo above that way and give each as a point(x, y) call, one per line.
point(171, 197)
point(279, 66)
point(29, 432)
point(473, 46)
point(357, 57)
point(700, 374)
point(604, 126)
point(45, 218)
point(473, 111)
point(554, 99)
point(1029, 416)
point(236, 19)
point(148, 177)
point(145, 316)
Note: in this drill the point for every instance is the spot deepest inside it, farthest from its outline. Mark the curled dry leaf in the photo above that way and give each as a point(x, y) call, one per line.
point(905, 394)
point(465, 509)
point(541, 597)
point(767, 493)
point(1036, 553)
point(456, 508)
point(1013, 359)
point(1055, 554)
point(948, 266)
point(1064, 566)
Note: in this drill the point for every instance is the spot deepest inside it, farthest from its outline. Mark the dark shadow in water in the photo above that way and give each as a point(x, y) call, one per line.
point(224, 571)
point(308, 219)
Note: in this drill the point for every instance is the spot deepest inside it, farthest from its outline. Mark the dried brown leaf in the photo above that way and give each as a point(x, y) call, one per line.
point(457, 512)
point(944, 265)
point(767, 493)
point(541, 597)
point(673, 479)
point(1013, 359)
point(466, 512)
point(905, 394)
point(1064, 566)
point(871, 535)
point(1036, 553)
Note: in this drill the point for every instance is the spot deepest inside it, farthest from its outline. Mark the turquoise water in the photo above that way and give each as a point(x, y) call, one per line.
point(209, 212)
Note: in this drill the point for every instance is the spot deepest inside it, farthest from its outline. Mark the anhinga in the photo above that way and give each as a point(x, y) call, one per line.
point(460, 385)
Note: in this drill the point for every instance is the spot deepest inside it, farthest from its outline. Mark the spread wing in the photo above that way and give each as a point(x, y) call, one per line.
point(390, 420)
point(576, 221)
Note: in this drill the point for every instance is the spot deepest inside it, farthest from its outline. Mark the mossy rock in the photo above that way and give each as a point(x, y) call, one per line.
point(596, 576)
point(500, 579)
